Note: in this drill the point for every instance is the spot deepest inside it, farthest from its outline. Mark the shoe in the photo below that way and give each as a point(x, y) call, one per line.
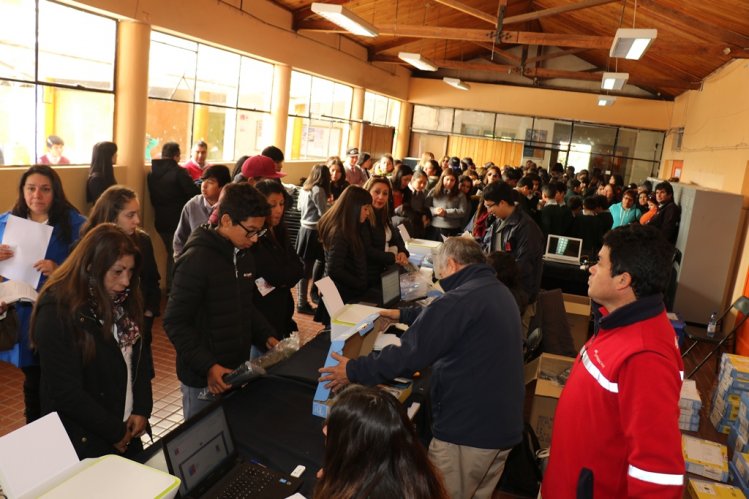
point(305, 308)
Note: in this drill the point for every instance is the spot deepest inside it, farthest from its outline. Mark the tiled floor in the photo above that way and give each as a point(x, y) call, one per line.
point(167, 398)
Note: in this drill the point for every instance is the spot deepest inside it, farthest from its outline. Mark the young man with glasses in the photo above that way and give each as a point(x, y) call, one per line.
point(210, 317)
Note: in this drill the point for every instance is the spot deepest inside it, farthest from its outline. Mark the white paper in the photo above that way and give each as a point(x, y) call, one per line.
point(386, 339)
point(404, 233)
point(296, 496)
point(353, 313)
point(263, 287)
point(23, 466)
point(13, 291)
point(30, 240)
point(413, 409)
point(330, 296)
point(444, 237)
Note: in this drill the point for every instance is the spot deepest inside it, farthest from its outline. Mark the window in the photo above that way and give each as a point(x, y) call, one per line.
point(432, 119)
point(319, 113)
point(473, 123)
point(381, 110)
point(65, 88)
point(198, 92)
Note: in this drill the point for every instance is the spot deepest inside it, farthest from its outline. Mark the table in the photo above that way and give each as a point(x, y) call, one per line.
point(569, 278)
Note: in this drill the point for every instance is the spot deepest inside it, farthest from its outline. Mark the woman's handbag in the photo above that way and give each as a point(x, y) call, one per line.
point(9, 329)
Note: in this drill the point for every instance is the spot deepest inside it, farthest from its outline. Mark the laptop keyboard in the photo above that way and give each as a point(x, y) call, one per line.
point(248, 482)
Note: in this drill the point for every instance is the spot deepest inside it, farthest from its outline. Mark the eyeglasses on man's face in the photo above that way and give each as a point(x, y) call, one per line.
point(252, 233)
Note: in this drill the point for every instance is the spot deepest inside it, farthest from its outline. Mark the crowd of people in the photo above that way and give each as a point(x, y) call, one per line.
point(85, 347)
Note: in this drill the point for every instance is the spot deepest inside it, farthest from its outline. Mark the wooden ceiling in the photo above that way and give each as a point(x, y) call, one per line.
point(550, 43)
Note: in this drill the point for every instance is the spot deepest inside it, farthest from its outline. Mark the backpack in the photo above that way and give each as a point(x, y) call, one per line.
point(522, 474)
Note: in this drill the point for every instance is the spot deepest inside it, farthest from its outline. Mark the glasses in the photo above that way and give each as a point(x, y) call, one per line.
point(488, 204)
point(249, 234)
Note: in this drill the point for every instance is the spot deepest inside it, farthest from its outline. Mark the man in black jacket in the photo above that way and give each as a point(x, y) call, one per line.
point(210, 317)
point(170, 187)
point(474, 346)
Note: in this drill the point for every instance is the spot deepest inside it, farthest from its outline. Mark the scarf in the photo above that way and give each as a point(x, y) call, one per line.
point(127, 330)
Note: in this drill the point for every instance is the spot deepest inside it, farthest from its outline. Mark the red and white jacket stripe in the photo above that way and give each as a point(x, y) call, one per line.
point(618, 415)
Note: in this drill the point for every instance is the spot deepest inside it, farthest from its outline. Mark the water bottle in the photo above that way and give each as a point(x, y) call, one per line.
point(712, 324)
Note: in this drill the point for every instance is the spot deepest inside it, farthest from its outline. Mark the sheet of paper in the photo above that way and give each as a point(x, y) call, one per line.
point(30, 241)
point(263, 287)
point(354, 313)
point(385, 339)
point(21, 448)
point(12, 291)
point(330, 295)
point(404, 233)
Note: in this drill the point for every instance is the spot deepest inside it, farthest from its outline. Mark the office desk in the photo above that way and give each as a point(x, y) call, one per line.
point(569, 278)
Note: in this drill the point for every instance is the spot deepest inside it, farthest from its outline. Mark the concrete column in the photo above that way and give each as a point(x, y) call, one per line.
point(130, 102)
point(280, 106)
point(403, 132)
point(357, 114)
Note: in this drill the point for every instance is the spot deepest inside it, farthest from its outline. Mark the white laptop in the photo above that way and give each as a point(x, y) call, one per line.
point(563, 249)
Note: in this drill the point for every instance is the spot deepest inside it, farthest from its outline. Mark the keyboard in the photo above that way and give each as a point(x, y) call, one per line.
point(249, 482)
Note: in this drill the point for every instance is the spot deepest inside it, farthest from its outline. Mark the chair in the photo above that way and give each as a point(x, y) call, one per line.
point(720, 338)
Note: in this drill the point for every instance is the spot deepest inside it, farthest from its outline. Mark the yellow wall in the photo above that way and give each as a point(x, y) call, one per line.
point(638, 113)
point(715, 147)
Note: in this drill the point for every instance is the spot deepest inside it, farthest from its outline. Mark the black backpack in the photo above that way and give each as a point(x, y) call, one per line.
point(522, 474)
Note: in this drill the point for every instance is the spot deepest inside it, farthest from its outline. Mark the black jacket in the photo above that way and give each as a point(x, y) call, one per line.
point(149, 274)
point(471, 336)
point(667, 219)
point(90, 398)
point(378, 259)
point(347, 268)
point(210, 317)
point(280, 266)
point(96, 185)
point(170, 187)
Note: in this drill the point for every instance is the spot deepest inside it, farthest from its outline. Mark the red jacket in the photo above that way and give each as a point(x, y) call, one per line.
point(618, 415)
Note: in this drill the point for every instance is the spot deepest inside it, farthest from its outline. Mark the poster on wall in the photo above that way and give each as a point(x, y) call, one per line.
point(532, 137)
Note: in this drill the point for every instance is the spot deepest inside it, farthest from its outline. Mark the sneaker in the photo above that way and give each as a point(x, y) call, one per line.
point(305, 308)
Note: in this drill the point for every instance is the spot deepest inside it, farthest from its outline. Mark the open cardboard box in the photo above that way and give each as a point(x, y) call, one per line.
point(547, 392)
point(342, 316)
point(424, 247)
point(578, 317)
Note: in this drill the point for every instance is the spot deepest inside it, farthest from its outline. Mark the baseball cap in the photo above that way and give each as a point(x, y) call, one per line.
point(260, 166)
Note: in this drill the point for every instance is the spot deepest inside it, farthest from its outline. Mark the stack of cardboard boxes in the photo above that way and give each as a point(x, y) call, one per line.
point(689, 406)
point(733, 380)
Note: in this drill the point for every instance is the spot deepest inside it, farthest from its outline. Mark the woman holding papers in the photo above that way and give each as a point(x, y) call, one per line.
point(119, 205)
point(383, 243)
point(87, 329)
point(41, 199)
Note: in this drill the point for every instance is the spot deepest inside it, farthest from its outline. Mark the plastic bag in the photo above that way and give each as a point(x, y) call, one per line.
point(414, 285)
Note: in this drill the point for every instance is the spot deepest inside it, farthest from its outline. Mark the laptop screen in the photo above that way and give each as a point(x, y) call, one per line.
point(391, 287)
point(564, 246)
point(199, 449)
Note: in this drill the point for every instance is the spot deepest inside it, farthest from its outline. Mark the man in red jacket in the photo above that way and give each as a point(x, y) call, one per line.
point(616, 427)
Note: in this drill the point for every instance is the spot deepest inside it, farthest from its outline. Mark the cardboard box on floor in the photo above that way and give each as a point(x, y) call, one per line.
point(543, 370)
point(578, 317)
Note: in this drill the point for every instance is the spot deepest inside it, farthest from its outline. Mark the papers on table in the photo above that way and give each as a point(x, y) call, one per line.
point(29, 241)
point(386, 339)
point(13, 291)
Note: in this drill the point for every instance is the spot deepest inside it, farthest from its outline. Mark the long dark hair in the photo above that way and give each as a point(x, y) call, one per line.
point(101, 163)
point(402, 171)
point(319, 176)
point(343, 218)
point(267, 187)
point(439, 188)
point(372, 451)
point(59, 211)
point(238, 166)
point(79, 282)
point(108, 207)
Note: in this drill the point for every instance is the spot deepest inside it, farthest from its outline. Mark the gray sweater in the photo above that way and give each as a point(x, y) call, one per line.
point(312, 204)
point(194, 214)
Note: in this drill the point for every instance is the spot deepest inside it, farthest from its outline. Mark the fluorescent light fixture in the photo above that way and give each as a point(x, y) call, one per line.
point(455, 82)
point(632, 43)
point(606, 100)
point(418, 61)
point(338, 14)
point(614, 81)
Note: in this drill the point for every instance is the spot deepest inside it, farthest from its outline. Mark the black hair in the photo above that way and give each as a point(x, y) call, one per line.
point(402, 171)
point(238, 166)
point(499, 191)
point(549, 190)
point(200, 143)
point(342, 219)
point(108, 207)
point(267, 187)
point(526, 181)
point(363, 158)
point(508, 273)
point(59, 211)
point(220, 173)
point(573, 183)
point(273, 153)
point(319, 176)
point(574, 203)
point(101, 165)
point(644, 253)
point(242, 201)
point(590, 203)
point(169, 150)
point(665, 186)
point(54, 140)
point(439, 188)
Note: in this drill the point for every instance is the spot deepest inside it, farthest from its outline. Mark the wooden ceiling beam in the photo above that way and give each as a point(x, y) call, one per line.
point(467, 9)
point(553, 55)
point(532, 16)
point(596, 76)
point(694, 26)
point(390, 44)
point(557, 40)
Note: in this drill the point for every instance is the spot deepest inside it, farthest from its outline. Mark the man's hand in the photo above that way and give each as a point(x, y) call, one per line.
point(335, 375)
point(121, 446)
point(136, 425)
point(271, 342)
point(216, 383)
point(401, 259)
point(393, 315)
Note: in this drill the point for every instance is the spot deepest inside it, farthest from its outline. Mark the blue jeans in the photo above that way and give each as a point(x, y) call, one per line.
point(191, 404)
